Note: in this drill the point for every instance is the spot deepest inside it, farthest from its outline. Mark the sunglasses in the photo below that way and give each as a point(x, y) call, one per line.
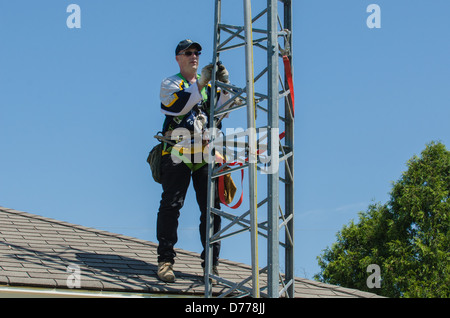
point(189, 53)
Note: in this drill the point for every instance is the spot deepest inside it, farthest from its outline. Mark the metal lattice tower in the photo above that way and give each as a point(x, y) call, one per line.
point(266, 145)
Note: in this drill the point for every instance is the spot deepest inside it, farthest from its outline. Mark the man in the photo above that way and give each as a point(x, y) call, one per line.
point(185, 101)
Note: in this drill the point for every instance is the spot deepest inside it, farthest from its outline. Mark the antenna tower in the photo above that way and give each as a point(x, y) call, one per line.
point(265, 150)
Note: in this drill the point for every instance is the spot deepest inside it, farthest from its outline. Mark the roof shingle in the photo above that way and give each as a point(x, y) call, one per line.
point(36, 251)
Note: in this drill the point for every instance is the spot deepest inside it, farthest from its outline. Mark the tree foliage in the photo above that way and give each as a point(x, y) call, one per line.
point(407, 237)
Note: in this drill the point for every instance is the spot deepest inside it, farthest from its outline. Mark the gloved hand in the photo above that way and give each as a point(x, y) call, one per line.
point(222, 74)
point(205, 76)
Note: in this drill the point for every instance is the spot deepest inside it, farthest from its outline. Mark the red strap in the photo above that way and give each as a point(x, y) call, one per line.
point(222, 189)
point(288, 72)
point(221, 184)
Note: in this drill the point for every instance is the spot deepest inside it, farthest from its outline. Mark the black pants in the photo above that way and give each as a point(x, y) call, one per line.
point(175, 179)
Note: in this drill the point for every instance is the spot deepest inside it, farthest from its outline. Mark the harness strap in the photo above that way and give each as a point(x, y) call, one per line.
point(193, 166)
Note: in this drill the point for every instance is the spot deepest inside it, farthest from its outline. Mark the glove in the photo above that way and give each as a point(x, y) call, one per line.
point(222, 74)
point(205, 76)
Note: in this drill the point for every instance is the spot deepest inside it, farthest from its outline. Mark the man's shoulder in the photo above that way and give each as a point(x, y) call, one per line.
point(172, 80)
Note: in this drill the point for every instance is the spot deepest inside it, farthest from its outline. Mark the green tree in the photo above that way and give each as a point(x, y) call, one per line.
point(408, 237)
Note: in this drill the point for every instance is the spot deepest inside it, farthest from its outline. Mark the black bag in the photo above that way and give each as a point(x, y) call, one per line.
point(154, 160)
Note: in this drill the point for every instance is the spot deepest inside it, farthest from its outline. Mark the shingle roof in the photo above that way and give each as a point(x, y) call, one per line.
point(36, 251)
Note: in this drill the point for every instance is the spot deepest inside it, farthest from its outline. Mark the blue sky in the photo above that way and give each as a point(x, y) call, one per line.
point(79, 107)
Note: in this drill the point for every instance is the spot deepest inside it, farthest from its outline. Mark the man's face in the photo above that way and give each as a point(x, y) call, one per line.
point(188, 59)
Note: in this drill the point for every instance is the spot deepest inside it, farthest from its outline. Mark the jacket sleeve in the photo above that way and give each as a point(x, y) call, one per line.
point(177, 100)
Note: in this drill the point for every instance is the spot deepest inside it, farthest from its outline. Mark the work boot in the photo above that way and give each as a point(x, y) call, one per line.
point(165, 272)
